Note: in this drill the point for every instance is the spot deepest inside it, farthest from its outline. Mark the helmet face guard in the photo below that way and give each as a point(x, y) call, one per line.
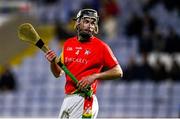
point(89, 13)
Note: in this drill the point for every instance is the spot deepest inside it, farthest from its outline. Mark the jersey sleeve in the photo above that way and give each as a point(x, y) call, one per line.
point(109, 58)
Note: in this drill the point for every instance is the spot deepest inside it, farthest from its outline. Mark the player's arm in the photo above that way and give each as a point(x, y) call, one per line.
point(110, 61)
point(55, 69)
point(113, 73)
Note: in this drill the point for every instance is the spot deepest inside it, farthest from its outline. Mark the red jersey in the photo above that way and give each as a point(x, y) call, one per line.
point(85, 58)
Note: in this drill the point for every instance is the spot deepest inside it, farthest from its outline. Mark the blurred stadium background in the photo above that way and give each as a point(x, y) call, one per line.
point(144, 35)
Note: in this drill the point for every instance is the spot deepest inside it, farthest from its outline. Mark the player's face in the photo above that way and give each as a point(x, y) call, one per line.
point(87, 26)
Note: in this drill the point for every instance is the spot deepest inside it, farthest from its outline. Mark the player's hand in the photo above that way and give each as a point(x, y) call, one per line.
point(50, 56)
point(86, 81)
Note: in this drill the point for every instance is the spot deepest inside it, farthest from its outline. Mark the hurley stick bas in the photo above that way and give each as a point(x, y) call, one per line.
point(27, 33)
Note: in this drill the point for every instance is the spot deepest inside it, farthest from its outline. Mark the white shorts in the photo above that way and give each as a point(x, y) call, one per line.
point(73, 107)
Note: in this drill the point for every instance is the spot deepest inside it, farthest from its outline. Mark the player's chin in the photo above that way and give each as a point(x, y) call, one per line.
point(85, 34)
